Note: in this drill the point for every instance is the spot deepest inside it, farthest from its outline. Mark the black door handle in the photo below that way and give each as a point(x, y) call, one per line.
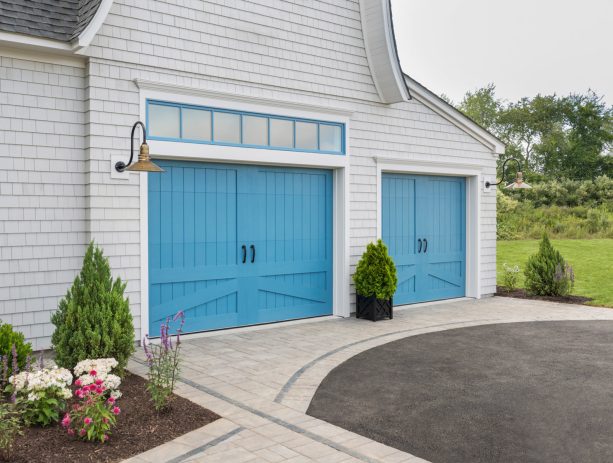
point(252, 253)
point(419, 248)
point(426, 245)
point(244, 253)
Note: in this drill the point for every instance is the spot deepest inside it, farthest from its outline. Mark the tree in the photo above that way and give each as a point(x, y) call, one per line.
point(483, 107)
point(562, 137)
point(93, 320)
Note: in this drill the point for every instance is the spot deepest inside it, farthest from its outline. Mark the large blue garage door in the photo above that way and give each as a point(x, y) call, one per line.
point(238, 245)
point(424, 227)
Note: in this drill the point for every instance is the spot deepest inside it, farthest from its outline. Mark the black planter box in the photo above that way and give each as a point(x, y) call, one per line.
point(373, 309)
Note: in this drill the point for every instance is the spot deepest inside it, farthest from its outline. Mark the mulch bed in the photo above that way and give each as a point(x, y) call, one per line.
point(139, 428)
point(522, 294)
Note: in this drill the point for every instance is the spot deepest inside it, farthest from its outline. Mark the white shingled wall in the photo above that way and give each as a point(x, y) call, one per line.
point(306, 51)
point(42, 191)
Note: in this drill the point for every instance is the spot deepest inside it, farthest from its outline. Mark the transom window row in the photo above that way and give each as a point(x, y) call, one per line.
point(200, 124)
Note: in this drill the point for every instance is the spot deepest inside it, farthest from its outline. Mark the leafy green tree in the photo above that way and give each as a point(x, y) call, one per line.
point(483, 107)
point(557, 137)
point(94, 319)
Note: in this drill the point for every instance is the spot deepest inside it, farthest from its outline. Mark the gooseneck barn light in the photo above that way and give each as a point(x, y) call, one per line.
point(519, 178)
point(144, 163)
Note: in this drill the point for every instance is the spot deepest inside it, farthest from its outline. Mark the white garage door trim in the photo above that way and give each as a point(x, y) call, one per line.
point(208, 153)
point(472, 173)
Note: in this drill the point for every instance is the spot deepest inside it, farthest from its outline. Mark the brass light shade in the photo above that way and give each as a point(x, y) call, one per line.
point(144, 163)
point(518, 184)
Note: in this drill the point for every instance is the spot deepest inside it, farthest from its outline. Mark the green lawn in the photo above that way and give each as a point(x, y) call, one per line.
point(592, 261)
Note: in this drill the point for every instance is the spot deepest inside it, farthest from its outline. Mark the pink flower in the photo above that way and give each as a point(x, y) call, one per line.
point(78, 382)
point(111, 400)
point(99, 390)
point(82, 432)
point(66, 420)
point(79, 393)
point(87, 420)
point(70, 432)
point(106, 437)
point(98, 381)
point(116, 410)
point(93, 373)
point(105, 420)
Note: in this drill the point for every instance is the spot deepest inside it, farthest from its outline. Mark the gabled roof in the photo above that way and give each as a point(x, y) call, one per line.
point(455, 116)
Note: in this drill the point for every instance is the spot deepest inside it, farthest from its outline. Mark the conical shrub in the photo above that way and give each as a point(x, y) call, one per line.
point(547, 273)
point(375, 274)
point(94, 319)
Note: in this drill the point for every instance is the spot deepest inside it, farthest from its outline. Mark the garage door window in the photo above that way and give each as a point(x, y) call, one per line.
point(170, 121)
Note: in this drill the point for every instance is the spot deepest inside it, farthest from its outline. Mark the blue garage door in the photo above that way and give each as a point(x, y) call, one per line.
point(424, 227)
point(238, 245)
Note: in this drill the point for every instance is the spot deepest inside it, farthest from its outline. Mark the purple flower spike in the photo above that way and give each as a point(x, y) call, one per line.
point(15, 361)
point(5, 369)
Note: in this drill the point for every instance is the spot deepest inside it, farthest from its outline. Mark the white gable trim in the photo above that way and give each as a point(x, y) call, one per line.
point(436, 104)
point(87, 35)
point(381, 51)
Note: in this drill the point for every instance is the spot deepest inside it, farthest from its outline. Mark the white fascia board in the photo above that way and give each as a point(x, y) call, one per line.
point(14, 40)
point(443, 109)
point(87, 35)
point(381, 52)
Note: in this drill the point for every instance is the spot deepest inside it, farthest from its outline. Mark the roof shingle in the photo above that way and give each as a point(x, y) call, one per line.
point(52, 19)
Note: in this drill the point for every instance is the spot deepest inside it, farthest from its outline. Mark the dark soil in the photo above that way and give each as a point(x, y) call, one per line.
point(139, 428)
point(522, 294)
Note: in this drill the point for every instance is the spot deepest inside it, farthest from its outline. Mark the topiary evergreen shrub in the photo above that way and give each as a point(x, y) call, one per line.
point(547, 273)
point(23, 350)
point(375, 274)
point(375, 283)
point(93, 320)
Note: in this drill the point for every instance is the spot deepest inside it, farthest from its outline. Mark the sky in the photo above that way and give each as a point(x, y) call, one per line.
point(524, 47)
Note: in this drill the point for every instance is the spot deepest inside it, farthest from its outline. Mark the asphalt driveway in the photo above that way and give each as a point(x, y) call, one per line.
point(519, 392)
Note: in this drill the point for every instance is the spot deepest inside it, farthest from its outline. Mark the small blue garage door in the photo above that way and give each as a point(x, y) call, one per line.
point(238, 245)
point(424, 227)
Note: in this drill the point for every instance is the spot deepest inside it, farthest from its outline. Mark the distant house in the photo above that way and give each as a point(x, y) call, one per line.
point(289, 136)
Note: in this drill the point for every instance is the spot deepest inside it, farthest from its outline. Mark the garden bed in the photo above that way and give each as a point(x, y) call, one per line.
point(139, 428)
point(522, 294)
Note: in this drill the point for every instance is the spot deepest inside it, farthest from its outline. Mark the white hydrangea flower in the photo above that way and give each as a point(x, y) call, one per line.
point(101, 366)
point(116, 394)
point(112, 382)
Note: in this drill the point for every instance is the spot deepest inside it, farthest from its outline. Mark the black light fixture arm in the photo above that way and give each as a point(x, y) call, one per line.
point(504, 171)
point(120, 166)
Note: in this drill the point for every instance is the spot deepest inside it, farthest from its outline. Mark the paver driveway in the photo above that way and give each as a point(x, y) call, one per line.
point(262, 381)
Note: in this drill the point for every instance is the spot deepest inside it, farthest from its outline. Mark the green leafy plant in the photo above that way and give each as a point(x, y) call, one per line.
point(95, 415)
point(94, 319)
point(546, 272)
point(9, 340)
point(510, 276)
point(10, 428)
point(375, 274)
point(41, 394)
point(164, 363)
